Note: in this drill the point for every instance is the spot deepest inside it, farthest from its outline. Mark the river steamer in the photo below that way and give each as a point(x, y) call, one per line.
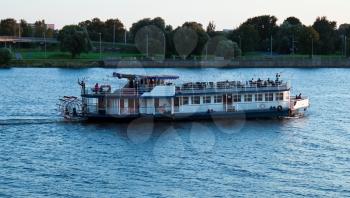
point(159, 98)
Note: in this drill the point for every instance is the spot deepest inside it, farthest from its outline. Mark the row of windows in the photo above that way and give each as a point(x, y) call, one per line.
point(258, 97)
point(235, 98)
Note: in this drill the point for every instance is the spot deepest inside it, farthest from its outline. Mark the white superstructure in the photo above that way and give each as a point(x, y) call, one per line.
point(158, 97)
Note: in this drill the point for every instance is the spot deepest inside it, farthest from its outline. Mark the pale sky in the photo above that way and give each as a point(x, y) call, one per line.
point(227, 14)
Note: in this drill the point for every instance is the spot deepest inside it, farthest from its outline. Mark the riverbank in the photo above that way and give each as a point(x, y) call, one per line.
point(52, 63)
point(264, 63)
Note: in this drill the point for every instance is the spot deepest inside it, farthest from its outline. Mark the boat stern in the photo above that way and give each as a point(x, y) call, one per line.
point(299, 106)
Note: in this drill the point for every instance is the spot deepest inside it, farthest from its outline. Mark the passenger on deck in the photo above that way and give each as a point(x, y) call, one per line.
point(96, 88)
point(298, 97)
point(75, 114)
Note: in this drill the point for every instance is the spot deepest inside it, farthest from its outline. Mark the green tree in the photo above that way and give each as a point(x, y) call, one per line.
point(308, 39)
point(113, 27)
point(170, 47)
point(203, 37)
point(41, 30)
point(26, 30)
point(227, 49)
point(287, 39)
point(158, 22)
point(328, 36)
point(247, 37)
point(293, 21)
point(94, 28)
point(5, 56)
point(266, 27)
point(8, 27)
point(211, 28)
point(343, 29)
point(74, 39)
point(346, 38)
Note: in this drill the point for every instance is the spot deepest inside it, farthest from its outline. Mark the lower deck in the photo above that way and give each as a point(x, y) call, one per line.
point(186, 105)
point(251, 114)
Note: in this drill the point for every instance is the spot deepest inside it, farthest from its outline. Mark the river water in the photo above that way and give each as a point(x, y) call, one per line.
point(41, 155)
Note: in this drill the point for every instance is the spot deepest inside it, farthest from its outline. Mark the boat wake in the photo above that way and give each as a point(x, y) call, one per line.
point(294, 117)
point(29, 121)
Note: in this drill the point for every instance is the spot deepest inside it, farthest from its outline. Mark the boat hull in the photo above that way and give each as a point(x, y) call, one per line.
point(193, 116)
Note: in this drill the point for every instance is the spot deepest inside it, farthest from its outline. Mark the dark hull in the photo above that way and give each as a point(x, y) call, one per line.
point(193, 116)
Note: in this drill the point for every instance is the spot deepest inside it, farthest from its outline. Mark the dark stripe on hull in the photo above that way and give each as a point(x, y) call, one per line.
point(194, 116)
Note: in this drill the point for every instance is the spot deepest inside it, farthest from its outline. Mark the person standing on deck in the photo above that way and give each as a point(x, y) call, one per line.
point(96, 88)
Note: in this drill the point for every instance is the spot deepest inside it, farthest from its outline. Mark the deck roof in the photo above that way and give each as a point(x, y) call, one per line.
point(152, 77)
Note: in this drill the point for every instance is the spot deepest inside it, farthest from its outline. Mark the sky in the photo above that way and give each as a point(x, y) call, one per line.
point(227, 14)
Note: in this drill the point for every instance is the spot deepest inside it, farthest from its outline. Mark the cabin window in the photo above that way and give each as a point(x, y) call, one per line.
point(258, 97)
point(286, 95)
point(279, 96)
point(237, 98)
point(248, 98)
point(207, 99)
point(218, 99)
point(269, 97)
point(196, 100)
point(185, 101)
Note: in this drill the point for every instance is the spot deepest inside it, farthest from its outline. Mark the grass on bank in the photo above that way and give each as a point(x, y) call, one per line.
point(57, 55)
point(54, 57)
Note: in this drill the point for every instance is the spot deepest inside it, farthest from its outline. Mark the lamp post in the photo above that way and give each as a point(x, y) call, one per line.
point(147, 45)
point(164, 45)
point(100, 34)
point(240, 41)
point(206, 52)
point(45, 40)
point(271, 46)
point(206, 47)
point(114, 34)
point(293, 45)
point(125, 37)
point(312, 47)
point(45, 43)
point(345, 46)
point(19, 29)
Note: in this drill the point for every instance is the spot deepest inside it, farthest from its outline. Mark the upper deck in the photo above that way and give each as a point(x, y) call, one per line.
point(200, 88)
point(144, 86)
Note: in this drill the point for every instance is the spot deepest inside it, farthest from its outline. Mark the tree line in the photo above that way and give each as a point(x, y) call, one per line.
point(154, 36)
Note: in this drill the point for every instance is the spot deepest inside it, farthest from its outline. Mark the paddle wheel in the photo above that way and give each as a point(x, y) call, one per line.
point(71, 108)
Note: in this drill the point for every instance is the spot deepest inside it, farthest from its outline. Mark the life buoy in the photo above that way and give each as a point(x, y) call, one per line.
point(262, 106)
point(279, 108)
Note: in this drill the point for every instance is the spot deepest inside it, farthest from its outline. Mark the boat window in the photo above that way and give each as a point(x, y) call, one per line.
point(237, 98)
point(258, 97)
point(196, 100)
point(279, 96)
point(269, 97)
point(185, 101)
point(218, 99)
point(248, 98)
point(207, 99)
point(286, 95)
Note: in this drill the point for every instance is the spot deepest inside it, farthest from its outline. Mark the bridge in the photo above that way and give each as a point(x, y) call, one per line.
point(15, 39)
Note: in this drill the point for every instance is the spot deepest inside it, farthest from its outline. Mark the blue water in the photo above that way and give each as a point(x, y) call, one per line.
point(41, 155)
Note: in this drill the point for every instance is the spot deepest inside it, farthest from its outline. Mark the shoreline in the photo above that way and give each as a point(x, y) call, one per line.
point(268, 63)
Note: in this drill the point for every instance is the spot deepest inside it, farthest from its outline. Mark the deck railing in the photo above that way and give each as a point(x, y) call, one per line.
point(209, 88)
point(127, 92)
point(196, 87)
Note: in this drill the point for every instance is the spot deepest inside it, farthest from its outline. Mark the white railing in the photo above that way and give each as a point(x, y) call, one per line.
point(231, 89)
